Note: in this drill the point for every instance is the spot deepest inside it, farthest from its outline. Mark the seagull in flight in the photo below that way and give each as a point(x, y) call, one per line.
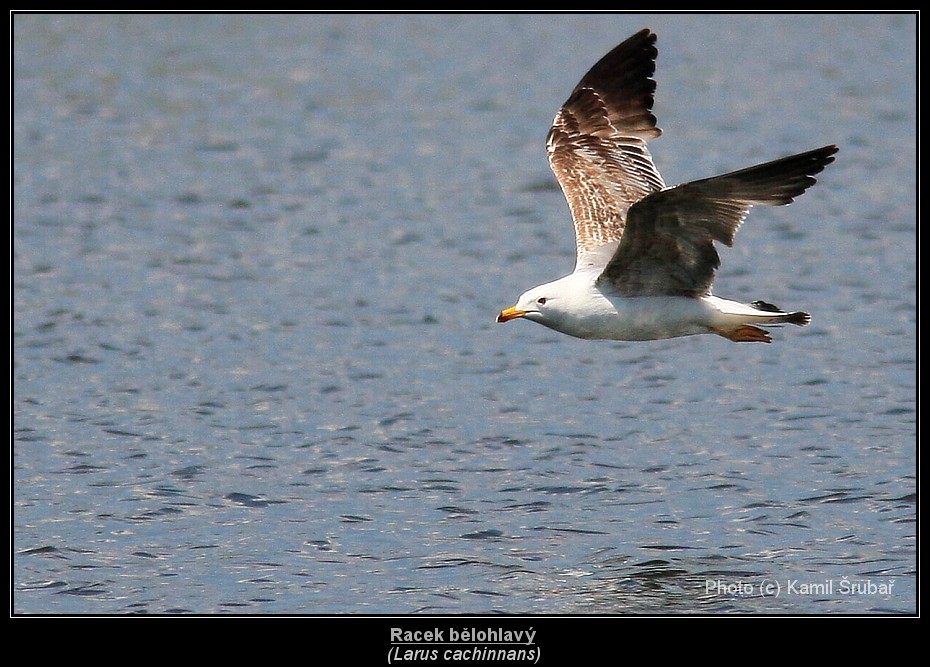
point(645, 256)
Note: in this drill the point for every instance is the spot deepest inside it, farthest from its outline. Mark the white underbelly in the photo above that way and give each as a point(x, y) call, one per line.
point(646, 318)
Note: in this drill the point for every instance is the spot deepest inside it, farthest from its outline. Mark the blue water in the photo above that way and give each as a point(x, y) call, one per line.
point(257, 262)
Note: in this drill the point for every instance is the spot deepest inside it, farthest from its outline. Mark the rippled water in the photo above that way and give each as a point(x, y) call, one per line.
point(257, 262)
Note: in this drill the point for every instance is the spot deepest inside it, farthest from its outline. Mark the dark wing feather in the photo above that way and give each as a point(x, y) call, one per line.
point(597, 144)
point(668, 246)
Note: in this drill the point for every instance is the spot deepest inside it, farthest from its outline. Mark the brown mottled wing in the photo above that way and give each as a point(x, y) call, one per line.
point(668, 246)
point(597, 146)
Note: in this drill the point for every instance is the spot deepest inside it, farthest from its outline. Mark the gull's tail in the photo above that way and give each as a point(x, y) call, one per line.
point(775, 315)
point(735, 320)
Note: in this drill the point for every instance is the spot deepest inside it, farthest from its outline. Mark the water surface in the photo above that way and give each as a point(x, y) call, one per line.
point(257, 261)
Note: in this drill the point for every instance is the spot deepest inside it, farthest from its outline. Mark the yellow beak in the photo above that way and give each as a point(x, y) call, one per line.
point(510, 314)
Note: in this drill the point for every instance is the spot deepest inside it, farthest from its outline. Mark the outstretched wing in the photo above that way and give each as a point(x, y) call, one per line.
point(668, 246)
point(597, 146)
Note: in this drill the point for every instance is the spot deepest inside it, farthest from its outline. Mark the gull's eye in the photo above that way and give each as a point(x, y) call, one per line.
point(541, 301)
